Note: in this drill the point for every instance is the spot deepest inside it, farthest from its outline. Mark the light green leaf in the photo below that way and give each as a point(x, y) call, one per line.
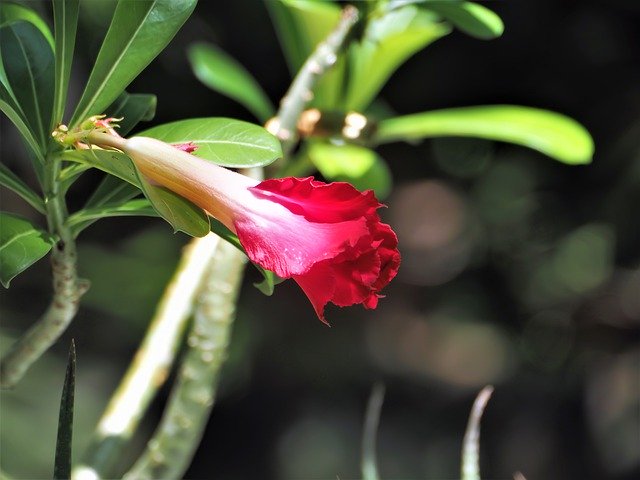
point(139, 31)
point(14, 114)
point(140, 207)
point(474, 19)
point(133, 108)
point(11, 12)
point(360, 166)
point(21, 245)
point(388, 41)
point(222, 73)
point(65, 19)
point(111, 190)
point(62, 465)
point(28, 64)
point(551, 133)
point(15, 184)
point(178, 211)
point(224, 141)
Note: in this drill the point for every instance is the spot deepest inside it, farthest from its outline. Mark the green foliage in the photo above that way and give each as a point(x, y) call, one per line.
point(472, 18)
point(15, 184)
point(222, 73)
point(13, 12)
point(548, 132)
point(62, 466)
point(223, 141)
point(65, 19)
point(133, 109)
point(21, 245)
point(139, 31)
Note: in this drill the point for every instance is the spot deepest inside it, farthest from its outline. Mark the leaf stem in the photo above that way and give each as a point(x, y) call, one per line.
point(283, 125)
point(67, 287)
point(176, 439)
point(470, 469)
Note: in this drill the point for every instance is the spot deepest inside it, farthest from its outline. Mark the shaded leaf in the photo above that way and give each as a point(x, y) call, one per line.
point(62, 465)
point(224, 141)
point(133, 108)
point(14, 113)
point(65, 20)
point(139, 31)
point(111, 190)
point(472, 18)
point(21, 245)
point(222, 73)
point(15, 184)
point(551, 133)
point(140, 207)
point(360, 166)
point(12, 12)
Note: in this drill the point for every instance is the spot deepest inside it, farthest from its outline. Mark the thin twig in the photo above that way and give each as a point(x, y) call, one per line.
point(369, 464)
point(171, 449)
point(67, 288)
point(283, 125)
point(471, 443)
point(152, 362)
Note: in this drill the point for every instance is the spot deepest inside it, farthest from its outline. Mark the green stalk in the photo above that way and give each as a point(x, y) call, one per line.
point(67, 287)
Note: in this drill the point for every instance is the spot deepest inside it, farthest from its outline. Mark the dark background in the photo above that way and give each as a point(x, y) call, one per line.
point(517, 271)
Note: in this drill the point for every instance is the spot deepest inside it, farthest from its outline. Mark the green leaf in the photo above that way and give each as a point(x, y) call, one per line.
point(11, 12)
point(111, 190)
point(178, 211)
point(222, 73)
point(15, 184)
point(62, 465)
point(14, 113)
point(360, 166)
point(388, 41)
point(28, 64)
point(472, 18)
point(21, 245)
point(65, 19)
point(139, 31)
point(140, 207)
point(133, 108)
point(223, 141)
point(269, 279)
point(551, 133)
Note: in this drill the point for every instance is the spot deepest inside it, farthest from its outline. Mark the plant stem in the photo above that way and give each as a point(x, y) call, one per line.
point(152, 362)
point(171, 449)
point(67, 287)
point(470, 469)
point(300, 92)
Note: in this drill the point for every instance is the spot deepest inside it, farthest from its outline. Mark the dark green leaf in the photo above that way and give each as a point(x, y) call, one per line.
point(139, 31)
point(133, 108)
point(555, 135)
point(111, 190)
point(472, 18)
point(360, 166)
point(62, 466)
point(65, 19)
point(14, 113)
point(222, 73)
point(29, 71)
point(15, 184)
point(11, 12)
point(388, 41)
point(140, 207)
point(270, 279)
point(224, 141)
point(21, 245)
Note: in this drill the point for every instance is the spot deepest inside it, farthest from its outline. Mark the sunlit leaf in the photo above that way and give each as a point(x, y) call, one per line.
point(360, 166)
point(62, 465)
point(28, 64)
point(222, 73)
point(472, 18)
point(15, 184)
point(551, 133)
point(65, 19)
point(21, 245)
point(388, 41)
point(223, 141)
point(133, 108)
point(139, 31)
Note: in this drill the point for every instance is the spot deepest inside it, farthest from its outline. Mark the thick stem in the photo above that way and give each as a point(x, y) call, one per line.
point(300, 93)
point(67, 287)
point(171, 449)
point(152, 362)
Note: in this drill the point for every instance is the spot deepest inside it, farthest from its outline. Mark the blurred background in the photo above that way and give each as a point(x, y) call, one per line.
point(517, 271)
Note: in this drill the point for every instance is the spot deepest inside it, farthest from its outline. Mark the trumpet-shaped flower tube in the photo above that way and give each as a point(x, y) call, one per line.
point(326, 236)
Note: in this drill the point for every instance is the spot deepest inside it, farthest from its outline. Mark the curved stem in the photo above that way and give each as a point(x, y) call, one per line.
point(67, 287)
point(152, 362)
point(171, 449)
point(470, 469)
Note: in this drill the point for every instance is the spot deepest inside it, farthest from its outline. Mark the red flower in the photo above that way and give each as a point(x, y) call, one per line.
point(327, 237)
